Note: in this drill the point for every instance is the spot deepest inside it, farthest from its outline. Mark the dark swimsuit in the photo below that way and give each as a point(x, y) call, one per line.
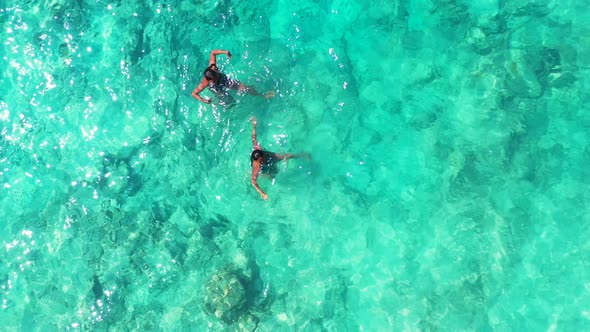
point(268, 167)
point(221, 88)
point(270, 158)
point(222, 84)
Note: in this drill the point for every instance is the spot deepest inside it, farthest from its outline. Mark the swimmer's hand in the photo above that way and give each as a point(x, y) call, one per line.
point(269, 94)
point(264, 196)
point(207, 101)
point(228, 54)
point(253, 120)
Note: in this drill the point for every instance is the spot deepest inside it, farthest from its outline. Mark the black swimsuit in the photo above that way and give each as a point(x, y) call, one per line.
point(269, 166)
point(223, 83)
point(220, 87)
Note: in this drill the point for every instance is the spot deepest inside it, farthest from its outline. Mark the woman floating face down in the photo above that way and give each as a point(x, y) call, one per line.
point(219, 83)
point(264, 161)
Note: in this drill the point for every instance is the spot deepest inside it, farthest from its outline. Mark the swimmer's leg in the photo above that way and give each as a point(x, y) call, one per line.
point(288, 156)
point(252, 91)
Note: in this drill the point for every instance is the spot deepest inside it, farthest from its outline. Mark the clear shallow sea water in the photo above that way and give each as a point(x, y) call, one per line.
point(448, 188)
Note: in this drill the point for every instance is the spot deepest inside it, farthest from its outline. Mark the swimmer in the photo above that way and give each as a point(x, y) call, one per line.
point(219, 83)
point(265, 161)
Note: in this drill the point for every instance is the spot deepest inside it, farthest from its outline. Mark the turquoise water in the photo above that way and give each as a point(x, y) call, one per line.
point(447, 191)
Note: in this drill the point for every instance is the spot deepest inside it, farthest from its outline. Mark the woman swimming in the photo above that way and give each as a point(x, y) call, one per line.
point(220, 83)
point(265, 161)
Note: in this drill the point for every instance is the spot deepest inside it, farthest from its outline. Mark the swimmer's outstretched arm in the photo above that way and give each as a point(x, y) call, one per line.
point(212, 59)
point(256, 164)
point(198, 90)
point(255, 171)
point(253, 120)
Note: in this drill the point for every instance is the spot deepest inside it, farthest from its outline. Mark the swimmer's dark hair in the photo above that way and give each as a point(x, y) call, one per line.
point(210, 73)
point(256, 154)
